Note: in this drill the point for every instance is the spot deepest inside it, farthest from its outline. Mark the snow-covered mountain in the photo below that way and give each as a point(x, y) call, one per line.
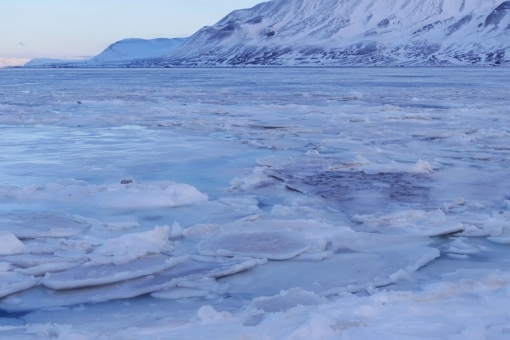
point(334, 32)
point(354, 32)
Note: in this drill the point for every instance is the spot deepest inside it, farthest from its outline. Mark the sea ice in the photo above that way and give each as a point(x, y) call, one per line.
point(272, 245)
point(356, 192)
point(30, 225)
point(33, 260)
point(180, 293)
point(371, 242)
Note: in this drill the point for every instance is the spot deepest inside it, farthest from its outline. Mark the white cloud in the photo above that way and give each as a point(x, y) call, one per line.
point(13, 61)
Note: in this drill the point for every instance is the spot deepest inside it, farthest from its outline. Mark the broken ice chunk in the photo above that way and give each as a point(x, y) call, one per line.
point(13, 282)
point(422, 167)
point(460, 247)
point(272, 245)
point(176, 230)
point(287, 300)
point(9, 244)
point(132, 246)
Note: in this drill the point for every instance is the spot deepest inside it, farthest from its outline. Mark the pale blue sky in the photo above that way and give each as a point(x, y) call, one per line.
point(73, 28)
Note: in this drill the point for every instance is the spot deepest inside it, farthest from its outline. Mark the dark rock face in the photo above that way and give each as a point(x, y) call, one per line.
point(383, 24)
point(458, 25)
point(498, 14)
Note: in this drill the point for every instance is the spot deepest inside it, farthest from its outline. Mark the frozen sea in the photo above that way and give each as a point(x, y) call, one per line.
point(264, 203)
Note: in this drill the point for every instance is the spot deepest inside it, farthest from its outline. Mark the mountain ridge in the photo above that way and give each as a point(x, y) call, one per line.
point(348, 33)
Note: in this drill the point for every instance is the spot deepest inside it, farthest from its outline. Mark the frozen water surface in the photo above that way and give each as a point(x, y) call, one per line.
point(352, 203)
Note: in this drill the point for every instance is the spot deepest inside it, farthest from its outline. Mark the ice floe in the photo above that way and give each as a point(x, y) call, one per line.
point(91, 274)
point(272, 245)
point(108, 196)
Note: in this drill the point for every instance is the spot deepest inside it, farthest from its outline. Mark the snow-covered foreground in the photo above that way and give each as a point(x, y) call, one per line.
point(255, 204)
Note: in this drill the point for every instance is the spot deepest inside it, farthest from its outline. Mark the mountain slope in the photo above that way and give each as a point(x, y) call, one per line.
point(353, 32)
point(132, 49)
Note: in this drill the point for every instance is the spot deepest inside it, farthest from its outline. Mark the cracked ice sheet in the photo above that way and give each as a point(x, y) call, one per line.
point(183, 274)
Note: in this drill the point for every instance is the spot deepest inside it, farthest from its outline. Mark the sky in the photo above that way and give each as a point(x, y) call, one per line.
point(73, 29)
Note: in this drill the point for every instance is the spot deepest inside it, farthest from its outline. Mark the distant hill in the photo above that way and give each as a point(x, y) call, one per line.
point(118, 54)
